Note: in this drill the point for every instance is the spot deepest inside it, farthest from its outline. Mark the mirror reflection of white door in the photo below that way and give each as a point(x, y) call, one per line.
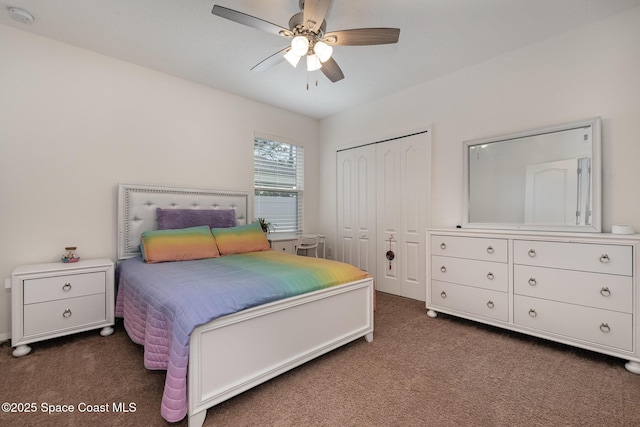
point(550, 194)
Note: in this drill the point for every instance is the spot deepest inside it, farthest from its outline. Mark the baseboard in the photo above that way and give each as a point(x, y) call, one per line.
point(6, 336)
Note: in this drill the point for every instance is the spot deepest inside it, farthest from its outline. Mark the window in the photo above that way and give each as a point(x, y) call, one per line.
point(278, 184)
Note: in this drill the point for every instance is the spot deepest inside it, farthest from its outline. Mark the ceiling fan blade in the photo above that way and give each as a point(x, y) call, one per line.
point(314, 13)
point(362, 36)
point(250, 21)
point(271, 61)
point(331, 69)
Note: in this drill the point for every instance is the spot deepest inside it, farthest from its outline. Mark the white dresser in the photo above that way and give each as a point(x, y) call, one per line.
point(55, 299)
point(577, 289)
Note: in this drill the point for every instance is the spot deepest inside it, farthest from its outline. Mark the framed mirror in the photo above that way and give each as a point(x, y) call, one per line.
point(545, 179)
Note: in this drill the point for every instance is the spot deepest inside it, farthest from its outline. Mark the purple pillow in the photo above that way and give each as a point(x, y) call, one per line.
point(170, 219)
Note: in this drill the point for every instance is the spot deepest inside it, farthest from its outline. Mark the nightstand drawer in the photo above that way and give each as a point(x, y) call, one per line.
point(63, 286)
point(46, 317)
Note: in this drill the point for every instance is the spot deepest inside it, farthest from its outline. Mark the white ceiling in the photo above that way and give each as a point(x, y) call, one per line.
point(184, 39)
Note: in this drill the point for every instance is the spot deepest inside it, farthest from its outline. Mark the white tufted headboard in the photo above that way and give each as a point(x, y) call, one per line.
point(137, 209)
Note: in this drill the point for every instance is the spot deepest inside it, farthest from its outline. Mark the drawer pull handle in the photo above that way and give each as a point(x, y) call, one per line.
point(532, 253)
point(604, 259)
point(532, 281)
point(604, 327)
point(443, 269)
point(443, 245)
point(66, 287)
point(443, 294)
point(490, 249)
point(66, 313)
point(490, 276)
point(532, 312)
point(605, 292)
point(490, 304)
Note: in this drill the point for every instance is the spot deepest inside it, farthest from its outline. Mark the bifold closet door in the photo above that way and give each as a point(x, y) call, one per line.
point(356, 207)
point(402, 167)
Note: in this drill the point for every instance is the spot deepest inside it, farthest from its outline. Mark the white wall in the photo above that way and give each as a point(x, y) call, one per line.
point(588, 72)
point(73, 124)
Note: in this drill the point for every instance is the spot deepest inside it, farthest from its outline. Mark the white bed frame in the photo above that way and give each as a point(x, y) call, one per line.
point(234, 353)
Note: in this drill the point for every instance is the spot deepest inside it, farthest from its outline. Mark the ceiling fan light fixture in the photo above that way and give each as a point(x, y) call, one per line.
point(323, 50)
point(300, 45)
point(292, 58)
point(313, 62)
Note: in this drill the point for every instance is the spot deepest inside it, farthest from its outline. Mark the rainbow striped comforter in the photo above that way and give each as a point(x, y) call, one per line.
point(162, 303)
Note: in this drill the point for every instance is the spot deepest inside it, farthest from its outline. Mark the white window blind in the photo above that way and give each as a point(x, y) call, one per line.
point(279, 184)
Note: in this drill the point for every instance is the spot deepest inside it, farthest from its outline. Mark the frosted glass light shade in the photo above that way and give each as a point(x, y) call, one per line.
point(300, 45)
point(313, 63)
point(292, 58)
point(323, 51)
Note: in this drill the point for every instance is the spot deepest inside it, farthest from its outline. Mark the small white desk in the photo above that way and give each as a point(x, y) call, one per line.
point(287, 242)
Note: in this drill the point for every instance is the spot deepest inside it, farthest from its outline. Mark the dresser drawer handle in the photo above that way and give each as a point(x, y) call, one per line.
point(605, 292)
point(443, 245)
point(532, 281)
point(490, 304)
point(490, 249)
point(490, 276)
point(66, 313)
point(443, 269)
point(532, 312)
point(604, 259)
point(532, 253)
point(66, 287)
point(604, 327)
point(443, 294)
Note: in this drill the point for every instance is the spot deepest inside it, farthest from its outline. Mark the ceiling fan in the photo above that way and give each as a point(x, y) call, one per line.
point(308, 37)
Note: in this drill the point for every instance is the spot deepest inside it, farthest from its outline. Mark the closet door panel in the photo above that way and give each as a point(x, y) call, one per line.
point(414, 195)
point(356, 209)
point(389, 208)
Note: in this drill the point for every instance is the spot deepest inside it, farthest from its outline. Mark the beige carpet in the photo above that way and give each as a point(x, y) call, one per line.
point(417, 372)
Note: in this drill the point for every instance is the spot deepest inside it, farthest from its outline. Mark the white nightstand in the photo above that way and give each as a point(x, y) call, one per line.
point(56, 299)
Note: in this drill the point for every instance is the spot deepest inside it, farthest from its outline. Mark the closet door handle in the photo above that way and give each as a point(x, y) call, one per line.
point(604, 259)
point(605, 292)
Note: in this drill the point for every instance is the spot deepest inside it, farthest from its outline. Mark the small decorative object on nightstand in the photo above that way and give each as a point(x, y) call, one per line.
point(71, 255)
point(56, 299)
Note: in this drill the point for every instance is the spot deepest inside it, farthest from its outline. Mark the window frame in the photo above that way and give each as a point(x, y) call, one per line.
point(284, 179)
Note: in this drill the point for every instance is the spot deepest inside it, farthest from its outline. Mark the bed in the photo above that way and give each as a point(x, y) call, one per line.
point(210, 351)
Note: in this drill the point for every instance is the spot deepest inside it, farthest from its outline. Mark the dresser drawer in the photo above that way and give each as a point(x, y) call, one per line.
point(63, 286)
point(480, 274)
point(605, 291)
point(479, 302)
point(603, 327)
point(599, 258)
point(479, 248)
point(46, 317)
